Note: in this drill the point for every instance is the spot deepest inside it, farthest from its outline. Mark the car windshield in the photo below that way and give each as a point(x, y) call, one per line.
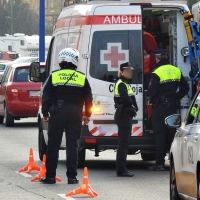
point(2, 67)
point(14, 56)
point(21, 74)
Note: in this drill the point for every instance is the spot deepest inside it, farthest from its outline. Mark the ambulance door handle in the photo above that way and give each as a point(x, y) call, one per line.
point(196, 137)
point(185, 139)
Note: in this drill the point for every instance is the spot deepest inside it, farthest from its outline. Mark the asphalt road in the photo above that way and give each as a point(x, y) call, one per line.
point(15, 143)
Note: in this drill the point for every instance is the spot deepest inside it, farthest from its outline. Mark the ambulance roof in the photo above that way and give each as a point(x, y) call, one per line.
point(84, 9)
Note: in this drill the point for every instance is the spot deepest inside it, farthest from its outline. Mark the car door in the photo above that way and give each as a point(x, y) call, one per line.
point(2, 91)
point(3, 87)
point(190, 143)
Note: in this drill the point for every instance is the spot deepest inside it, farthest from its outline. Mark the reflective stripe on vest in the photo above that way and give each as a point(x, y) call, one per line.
point(128, 87)
point(60, 78)
point(168, 73)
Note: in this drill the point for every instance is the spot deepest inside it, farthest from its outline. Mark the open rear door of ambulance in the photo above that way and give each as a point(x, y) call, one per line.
point(116, 37)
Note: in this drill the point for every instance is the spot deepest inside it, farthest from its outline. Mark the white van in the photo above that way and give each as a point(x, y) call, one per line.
point(108, 33)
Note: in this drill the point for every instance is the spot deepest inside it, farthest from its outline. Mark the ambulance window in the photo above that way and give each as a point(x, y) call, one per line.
point(194, 115)
point(61, 43)
point(110, 49)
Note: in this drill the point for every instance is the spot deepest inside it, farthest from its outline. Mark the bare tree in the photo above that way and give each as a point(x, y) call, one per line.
point(25, 20)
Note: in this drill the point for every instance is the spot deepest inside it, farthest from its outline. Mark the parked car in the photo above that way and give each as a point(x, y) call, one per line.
point(26, 59)
point(19, 98)
point(185, 154)
point(8, 55)
point(3, 65)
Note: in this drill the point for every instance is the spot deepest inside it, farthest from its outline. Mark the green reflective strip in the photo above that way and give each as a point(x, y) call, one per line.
point(168, 73)
point(60, 78)
point(128, 87)
point(193, 111)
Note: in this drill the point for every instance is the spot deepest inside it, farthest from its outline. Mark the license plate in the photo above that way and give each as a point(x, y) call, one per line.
point(34, 93)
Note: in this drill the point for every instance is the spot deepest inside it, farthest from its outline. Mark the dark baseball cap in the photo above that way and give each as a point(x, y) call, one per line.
point(126, 65)
point(161, 52)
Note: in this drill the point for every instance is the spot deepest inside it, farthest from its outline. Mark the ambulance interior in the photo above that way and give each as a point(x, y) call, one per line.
point(162, 24)
point(165, 25)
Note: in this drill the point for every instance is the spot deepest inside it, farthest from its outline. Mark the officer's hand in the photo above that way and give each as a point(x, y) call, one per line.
point(85, 120)
point(46, 118)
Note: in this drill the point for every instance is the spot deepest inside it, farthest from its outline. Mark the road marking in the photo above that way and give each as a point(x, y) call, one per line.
point(24, 174)
point(64, 197)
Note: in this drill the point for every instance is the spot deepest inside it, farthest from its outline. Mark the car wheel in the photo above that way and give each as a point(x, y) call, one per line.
point(173, 188)
point(8, 118)
point(1, 119)
point(81, 158)
point(42, 147)
point(148, 156)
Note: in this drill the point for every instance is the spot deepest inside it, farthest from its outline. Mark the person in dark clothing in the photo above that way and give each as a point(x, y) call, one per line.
point(165, 80)
point(69, 89)
point(126, 108)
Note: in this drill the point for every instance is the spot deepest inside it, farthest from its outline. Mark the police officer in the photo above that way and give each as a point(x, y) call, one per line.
point(165, 80)
point(126, 108)
point(69, 89)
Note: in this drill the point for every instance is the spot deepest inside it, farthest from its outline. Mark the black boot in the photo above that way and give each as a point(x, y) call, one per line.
point(73, 181)
point(157, 168)
point(48, 180)
point(125, 174)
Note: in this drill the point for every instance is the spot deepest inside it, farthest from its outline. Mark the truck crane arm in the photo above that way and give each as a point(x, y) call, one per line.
point(193, 35)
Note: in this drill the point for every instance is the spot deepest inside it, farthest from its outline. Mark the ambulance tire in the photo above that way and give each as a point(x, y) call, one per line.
point(1, 119)
point(173, 188)
point(42, 147)
point(8, 118)
point(81, 158)
point(148, 156)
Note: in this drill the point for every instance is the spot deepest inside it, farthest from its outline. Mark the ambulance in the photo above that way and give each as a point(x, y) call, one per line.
point(108, 33)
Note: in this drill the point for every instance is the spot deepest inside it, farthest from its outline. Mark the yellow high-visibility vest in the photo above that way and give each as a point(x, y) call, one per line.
point(168, 73)
point(60, 77)
point(128, 87)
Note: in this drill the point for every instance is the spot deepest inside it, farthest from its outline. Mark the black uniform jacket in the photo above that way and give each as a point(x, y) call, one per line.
point(124, 98)
point(168, 88)
point(71, 94)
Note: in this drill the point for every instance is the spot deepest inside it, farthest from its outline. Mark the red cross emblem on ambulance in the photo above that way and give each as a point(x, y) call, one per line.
point(114, 56)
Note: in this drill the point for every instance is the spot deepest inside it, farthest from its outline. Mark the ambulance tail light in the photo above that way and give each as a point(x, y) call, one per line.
point(96, 109)
point(91, 140)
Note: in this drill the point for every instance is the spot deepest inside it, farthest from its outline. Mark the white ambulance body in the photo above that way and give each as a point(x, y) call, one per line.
point(107, 34)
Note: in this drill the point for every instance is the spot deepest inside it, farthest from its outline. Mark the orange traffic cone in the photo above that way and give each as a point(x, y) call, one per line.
point(31, 165)
point(42, 173)
point(85, 187)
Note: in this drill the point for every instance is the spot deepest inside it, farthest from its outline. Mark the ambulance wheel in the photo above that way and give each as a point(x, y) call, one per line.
point(8, 118)
point(173, 188)
point(148, 156)
point(81, 158)
point(42, 147)
point(1, 119)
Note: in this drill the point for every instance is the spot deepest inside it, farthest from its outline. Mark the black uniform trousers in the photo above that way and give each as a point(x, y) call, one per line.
point(164, 135)
point(68, 119)
point(124, 124)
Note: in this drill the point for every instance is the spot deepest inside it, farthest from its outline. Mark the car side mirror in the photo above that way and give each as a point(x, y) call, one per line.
point(34, 72)
point(173, 121)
